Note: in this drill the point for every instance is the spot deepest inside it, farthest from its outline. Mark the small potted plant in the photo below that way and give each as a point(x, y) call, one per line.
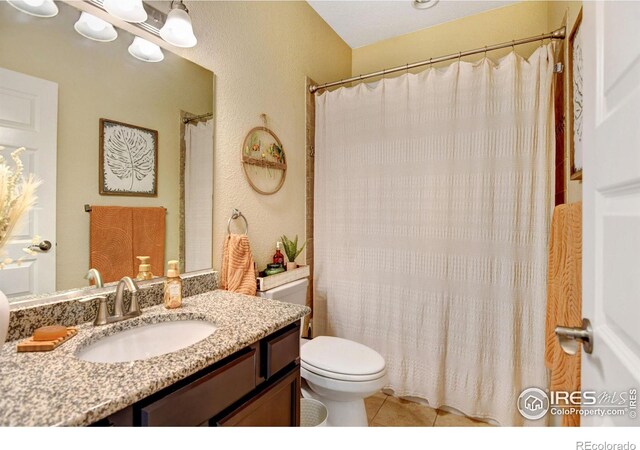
point(292, 251)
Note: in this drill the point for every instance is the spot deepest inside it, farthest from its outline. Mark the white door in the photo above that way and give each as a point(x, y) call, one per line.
point(29, 118)
point(611, 209)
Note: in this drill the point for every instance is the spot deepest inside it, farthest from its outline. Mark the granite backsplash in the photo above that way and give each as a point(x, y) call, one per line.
point(69, 312)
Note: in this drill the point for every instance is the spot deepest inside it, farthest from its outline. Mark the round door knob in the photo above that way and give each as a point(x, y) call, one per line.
point(42, 247)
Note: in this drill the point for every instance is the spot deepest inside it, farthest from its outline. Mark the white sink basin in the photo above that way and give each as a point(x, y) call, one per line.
point(147, 341)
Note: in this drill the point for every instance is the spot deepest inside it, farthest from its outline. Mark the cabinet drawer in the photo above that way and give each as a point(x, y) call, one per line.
point(200, 400)
point(276, 406)
point(280, 350)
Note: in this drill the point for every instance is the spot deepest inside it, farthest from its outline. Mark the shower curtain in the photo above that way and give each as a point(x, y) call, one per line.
point(198, 195)
point(432, 210)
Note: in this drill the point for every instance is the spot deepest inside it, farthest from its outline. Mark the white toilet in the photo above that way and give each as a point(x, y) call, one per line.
point(338, 372)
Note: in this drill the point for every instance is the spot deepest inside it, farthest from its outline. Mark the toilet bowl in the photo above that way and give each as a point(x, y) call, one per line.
point(341, 374)
point(338, 372)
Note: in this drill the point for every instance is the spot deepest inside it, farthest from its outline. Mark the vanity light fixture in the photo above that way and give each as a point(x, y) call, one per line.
point(145, 51)
point(94, 28)
point(424, 4)
point(178, 29)
point(127, 10)
point(38, 8)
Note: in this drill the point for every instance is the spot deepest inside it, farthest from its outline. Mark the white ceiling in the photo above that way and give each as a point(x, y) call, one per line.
point(365, 22)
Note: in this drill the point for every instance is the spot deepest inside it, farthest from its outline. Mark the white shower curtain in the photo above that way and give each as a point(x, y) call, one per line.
point(198, 195)
point(432, 209)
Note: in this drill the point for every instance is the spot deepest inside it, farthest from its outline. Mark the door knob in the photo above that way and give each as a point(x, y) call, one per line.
point(570, 336)
point(42, 247)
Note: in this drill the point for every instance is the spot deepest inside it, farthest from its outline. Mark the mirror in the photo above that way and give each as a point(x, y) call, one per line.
point(143, 104)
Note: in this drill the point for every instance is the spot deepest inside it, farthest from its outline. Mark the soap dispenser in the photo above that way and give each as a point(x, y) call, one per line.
point(144, 270)
point(173, 287)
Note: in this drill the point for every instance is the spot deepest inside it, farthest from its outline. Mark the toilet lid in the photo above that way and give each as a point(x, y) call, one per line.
point(334, 357)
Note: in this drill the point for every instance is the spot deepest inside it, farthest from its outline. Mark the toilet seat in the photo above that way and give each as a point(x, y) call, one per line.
point(342, 359)
point(341, 376)
point(351, 388)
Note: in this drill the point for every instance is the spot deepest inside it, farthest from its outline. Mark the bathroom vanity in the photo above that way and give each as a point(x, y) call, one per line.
point(256, 386)
point(246, 373)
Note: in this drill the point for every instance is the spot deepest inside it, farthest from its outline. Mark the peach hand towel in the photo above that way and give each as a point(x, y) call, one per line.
point(564, 298)
point(238, 273)
point(149, 237)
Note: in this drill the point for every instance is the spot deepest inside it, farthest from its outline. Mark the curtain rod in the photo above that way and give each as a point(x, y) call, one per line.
point(201, 116)
point(560, 33)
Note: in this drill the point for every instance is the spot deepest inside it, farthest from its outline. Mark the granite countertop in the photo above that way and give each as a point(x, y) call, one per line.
point(57, 388)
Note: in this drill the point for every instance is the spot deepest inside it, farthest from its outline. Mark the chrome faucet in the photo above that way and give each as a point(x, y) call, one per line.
point(103, 317)
point(94, 274)
point(134, 307)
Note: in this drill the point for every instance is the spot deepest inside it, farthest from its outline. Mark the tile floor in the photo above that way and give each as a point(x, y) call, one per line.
point(387, 411)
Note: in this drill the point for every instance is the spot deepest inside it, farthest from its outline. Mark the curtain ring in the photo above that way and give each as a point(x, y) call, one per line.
point(485, 51)
point(513, 45)
point(407, 68)
point(459, 56)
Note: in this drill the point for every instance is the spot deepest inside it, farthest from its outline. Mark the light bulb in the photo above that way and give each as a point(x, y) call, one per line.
point(38, 8)
point(95, 23)
point(145, 51)
point(34, 3)
point(128, 10)
point(126, 5)
point(95, 28)
point(178, 29)
point(147, 48)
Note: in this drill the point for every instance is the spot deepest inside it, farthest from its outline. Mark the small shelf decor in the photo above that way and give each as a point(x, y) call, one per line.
point(292, 251)
point(263, 160)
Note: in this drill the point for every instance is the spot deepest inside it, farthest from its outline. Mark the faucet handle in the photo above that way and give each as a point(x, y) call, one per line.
point(102, 314)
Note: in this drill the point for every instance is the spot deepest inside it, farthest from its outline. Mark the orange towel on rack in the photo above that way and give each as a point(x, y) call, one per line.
point(118, 234)
point(238, 272)
point(564, 298)
point(149, 237)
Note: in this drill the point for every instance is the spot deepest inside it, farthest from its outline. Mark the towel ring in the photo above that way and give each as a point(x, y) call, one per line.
point(235, 214)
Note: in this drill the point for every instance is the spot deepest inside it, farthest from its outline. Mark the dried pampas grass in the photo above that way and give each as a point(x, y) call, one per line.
point(17, 197)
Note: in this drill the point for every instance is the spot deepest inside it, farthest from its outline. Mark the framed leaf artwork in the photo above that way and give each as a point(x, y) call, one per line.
point(128, 159)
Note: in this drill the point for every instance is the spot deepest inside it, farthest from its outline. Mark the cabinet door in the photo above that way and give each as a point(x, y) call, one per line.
point(276, 406)
point(279, 350)
point(205, 397)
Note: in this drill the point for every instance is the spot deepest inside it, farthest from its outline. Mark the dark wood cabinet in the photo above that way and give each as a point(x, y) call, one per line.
point(256, 386)
point(205, 397)
point(276, 406)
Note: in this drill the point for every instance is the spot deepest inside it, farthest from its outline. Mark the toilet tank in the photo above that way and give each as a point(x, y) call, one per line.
point(294, 292)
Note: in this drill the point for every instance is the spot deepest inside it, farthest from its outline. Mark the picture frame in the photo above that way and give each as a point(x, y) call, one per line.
point(575, 100)
point(128, 160)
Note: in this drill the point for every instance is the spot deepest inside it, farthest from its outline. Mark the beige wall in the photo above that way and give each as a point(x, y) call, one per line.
point(260, 53)
point(499, 25)
point(102, 80)
point(556, 13)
